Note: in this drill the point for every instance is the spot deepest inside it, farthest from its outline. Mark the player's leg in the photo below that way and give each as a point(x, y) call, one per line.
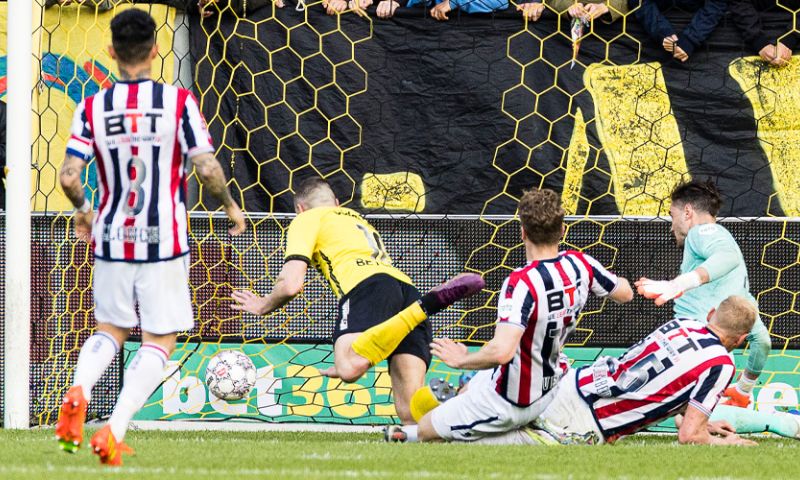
point(407, 368)
point(165, 308)
point(475, 414)
point(759, 348)
point(378, 342)
point(347, 365)
point(751, 421)
point(115, 315)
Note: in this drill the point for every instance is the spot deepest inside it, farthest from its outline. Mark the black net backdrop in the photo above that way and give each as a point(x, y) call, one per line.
point(290, 94)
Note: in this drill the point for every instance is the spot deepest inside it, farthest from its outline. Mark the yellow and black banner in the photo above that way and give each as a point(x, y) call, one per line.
point(459, 117)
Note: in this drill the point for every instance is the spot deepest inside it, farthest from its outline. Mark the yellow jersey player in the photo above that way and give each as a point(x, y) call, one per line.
point(381, 314)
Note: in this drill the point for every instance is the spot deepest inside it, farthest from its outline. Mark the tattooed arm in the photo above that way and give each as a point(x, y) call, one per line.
point(71, 181)
point(211, 176)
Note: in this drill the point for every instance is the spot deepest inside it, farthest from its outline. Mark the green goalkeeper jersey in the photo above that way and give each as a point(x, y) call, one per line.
point(712, 246)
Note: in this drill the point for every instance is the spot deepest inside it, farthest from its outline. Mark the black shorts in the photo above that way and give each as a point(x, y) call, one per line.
point(379, 298)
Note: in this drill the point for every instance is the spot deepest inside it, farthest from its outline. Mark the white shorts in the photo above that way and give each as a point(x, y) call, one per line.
point(160, 288)
point(480, 411)
point(568, 415)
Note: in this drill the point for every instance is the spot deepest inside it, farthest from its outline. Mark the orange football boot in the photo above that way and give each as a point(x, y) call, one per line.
point(108, 449)
point(69, 429)
point(735, 397)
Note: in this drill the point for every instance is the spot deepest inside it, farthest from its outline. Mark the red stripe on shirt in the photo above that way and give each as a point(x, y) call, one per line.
point(579, 256)
point(175, 176)
point(131, 104)
point(101, 167)
point(671, 389)
point(526, 345)
point(652, 347)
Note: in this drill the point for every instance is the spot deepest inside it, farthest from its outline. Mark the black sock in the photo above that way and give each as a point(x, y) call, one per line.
point(430, 304)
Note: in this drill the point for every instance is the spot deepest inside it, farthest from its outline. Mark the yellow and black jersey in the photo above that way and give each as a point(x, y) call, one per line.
point(342, 245)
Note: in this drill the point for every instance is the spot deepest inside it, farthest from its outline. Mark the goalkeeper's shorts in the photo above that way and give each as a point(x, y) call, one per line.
point(161, 290)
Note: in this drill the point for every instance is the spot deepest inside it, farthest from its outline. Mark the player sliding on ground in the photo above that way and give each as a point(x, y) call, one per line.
point(381, 314)
point(520, 366)
point(681, 367)
point(140, 133)
point(712, 269)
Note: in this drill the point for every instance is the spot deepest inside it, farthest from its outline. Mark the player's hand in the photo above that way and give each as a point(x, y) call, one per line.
point(439, 12)
point(332, 7)
point(734, 439)
point(83, 225)
point(594, 10)
point(278, 3)
point(236, 216)
point(330, 372)
point(531, 11)
point(248, 302)
point(721, 428)
point(386, 9)
point(661, 291)
point(450, 352)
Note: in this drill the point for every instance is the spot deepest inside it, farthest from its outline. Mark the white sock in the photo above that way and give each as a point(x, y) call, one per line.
point(96, 355)
point(143, 375)
point(745, 384)
point(412, 433)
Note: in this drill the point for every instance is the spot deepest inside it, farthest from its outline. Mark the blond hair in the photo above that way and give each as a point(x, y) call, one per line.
point(736, 315)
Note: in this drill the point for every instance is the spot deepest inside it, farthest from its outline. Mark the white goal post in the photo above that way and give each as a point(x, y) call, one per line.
point(16, 394)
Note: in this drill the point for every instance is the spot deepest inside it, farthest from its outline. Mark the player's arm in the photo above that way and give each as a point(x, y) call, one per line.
point(721, 257)
point(498, 351)
point(210, 174)
point(287, 286)
point(703, 398)
point(196, 144)
point(605, 283)
point(694, 429)
point(301, 239)
point(71, 176)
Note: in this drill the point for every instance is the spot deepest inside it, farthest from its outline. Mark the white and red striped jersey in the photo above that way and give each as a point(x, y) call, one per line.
point(141, 134)
point(681, 362)
point(544, 298)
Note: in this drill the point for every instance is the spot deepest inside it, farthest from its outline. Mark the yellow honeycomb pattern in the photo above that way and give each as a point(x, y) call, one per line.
point(630, 113)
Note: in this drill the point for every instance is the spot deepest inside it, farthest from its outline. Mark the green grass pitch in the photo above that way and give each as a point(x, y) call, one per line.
point(280, 455)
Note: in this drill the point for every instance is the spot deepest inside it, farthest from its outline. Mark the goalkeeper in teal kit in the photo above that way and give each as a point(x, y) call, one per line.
point(712, 269)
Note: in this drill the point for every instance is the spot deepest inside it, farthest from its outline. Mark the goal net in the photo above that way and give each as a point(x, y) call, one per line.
point(432, 130)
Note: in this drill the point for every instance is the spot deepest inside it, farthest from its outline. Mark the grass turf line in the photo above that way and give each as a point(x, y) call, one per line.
point(306, 455)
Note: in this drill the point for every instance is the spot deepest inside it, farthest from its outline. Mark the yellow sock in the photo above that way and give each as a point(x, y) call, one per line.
point(378, 342)
point(422, 402)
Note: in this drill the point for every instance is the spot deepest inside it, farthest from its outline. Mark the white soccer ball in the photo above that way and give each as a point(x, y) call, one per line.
point(230, 375)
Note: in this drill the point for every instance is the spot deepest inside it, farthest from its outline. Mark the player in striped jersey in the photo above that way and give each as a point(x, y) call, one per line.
point(713, 268)
point(538, 307)
point(140, 133)
point(682, 367)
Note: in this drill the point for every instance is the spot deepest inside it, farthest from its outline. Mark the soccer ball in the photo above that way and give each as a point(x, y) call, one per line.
point(230, 375)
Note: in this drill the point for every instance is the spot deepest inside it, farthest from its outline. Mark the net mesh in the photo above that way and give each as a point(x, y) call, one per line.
point(299, 108)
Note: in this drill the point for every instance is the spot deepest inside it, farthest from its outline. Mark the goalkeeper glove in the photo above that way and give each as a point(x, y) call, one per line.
point(663, 291)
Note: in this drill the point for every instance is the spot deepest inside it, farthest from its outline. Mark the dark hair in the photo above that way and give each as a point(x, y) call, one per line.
point(133, 33)
point(542, 216)
point(308, 187)
point(702, 195)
